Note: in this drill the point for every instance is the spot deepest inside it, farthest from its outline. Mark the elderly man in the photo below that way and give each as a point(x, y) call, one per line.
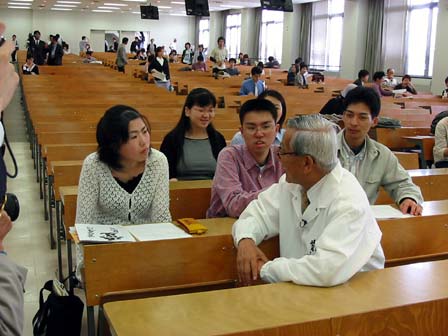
point(373, 164)
point(326, 228)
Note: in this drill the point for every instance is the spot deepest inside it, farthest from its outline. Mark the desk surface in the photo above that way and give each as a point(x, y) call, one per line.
point(246, 309)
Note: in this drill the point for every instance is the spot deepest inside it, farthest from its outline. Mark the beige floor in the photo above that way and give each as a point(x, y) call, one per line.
point(28, 242)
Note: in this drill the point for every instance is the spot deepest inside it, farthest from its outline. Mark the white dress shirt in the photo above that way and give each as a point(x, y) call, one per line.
point(333, 239)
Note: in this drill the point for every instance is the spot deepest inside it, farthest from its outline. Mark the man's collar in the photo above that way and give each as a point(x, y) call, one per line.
point(368, 147)
point(250, 162)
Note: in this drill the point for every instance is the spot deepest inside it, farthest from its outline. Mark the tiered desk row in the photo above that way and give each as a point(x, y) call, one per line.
point(64, 105)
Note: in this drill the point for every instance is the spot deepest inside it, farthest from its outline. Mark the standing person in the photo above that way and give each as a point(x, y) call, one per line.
point(122, 57)
point(135, 45)
point(151, 49)
point(12, 276)
point(253, 86)
point(115, 43)
point(16, 47)
point(55, 52)
point(192, 147)
point(173, 45)
point(327, 231)
point(199, 52)
point(82, 44)
point(243, 171)
point(36, 48)
point(160, 69)
point(219, 55)
point(187, 54)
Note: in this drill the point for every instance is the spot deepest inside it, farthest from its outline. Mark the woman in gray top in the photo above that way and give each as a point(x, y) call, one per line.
point(192, 147)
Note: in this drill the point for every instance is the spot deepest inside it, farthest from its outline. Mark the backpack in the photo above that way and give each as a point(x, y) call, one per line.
point(436, 120)
point(58, 315)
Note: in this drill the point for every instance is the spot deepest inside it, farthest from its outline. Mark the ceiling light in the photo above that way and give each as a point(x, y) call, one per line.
point(101, 11)
point(136, 13)
point(115, 4)
point(178, 2)
point(17, 4)
point(69, 6)
point(24, 1)
point(61, 9)
point(106, 7)
point(178, 14)
point(164, 7)
point(69, 2)
point(231, 6)
point(16, 7)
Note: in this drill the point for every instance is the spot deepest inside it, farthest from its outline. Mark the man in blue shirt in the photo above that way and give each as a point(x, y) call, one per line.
point(253, 85)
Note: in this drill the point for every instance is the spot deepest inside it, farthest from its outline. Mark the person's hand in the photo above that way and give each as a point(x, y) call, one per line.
point(9, 78)
point(250, 259)
point(5, 227)
point(409, 206)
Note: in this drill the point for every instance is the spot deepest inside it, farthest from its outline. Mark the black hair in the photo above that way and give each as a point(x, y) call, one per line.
point(82, 38)
point(446, 80)
point(271, 58)
point(201, 46)
point(200, 58)
point(188, 44)
point(36, 32)
point(303, 65)
point(256, 71)
point(390, 69)
point(199, 97)
point(125, 40)
point(406, 76)
point(298, 60)
point(366, 95)
point(258, 105)
point(245, 56)
point(362, 73)
point(159, 49)
point(234, 60)
point(378, 75)
point(89, 52)
point(112, 131)
point(221, 38)
point(260, 65)
point(277, 95)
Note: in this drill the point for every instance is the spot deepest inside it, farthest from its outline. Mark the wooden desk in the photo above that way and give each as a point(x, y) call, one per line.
point(425, 143)
point(411, 299)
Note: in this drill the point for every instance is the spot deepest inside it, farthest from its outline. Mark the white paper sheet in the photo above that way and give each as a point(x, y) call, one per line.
point(156, 231)
point(97, 233)
point(387, 212)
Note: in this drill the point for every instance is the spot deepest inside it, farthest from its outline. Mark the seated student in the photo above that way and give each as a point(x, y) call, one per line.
point(232, 70)
point(445, 91)
point(301, 80)
point(390, 81)
point(126, 181)
point(272, 63)
point(199, 65)
point(336, 105)
point(326, 229)
point(173, 56)
point(253, 86)
point(187, 54)
point(192, 147)
point(440, 149)
point(406, 84)
point(245, 60)
point(261, 66)
point(240, 58)
point(378, 79)
point(243, 171)
point(159, 69)
point(277, 99)
point(89, 58)
point(363, 78)
point(373, 164)
point(29, 68)
point(291, 77)
point(199, 52)
point(140, 55)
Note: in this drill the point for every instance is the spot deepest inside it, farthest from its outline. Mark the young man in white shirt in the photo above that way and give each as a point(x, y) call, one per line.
point(219, 56)
point(326, 228)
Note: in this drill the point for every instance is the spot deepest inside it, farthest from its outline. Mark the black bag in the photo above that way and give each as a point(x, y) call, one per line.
point(58, 315)
point(436, 120)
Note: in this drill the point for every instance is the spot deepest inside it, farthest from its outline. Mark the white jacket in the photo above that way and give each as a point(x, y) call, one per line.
point(336, 237)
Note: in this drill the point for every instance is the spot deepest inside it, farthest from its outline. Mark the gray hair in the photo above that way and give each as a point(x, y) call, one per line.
point(315, 136)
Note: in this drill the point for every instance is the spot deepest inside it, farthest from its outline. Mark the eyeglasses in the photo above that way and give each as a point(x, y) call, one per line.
point(252, 129)
point(279, 154)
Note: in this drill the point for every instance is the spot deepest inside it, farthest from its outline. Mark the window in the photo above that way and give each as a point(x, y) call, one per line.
point(409, 36)
point(326, 34)
point(204, 32)
point(271, 37)
point(233, 34)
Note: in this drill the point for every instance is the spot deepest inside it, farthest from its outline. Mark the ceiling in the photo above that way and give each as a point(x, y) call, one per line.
point(167, 7)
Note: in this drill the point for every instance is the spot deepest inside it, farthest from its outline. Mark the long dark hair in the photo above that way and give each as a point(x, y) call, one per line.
point(277, 95)
point(199, 97)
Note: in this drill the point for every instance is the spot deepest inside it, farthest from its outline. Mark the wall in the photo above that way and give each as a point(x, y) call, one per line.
point(72, 25)
point(247, 42)
point(440, 69)
point(291, 29)
point(216, 29)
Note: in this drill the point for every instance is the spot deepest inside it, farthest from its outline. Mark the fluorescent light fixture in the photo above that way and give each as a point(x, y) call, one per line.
point(136, 13)
point(69, 2)
point(17, 4)
point(231, 6)
point(178, 14)
point(24, 1)
point(68, 6)
point(16, 7)
point(164, 7)
point(61, 9)
point(178, 2)
point(101, 11)
point(135, 0)
point(115, 4)
point(106, 7)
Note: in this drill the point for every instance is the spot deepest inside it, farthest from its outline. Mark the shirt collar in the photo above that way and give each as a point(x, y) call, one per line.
point(344, 148)
point(326, 190)
point(249, 161)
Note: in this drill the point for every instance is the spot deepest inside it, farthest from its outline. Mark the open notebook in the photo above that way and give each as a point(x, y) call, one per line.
point(97, 233)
